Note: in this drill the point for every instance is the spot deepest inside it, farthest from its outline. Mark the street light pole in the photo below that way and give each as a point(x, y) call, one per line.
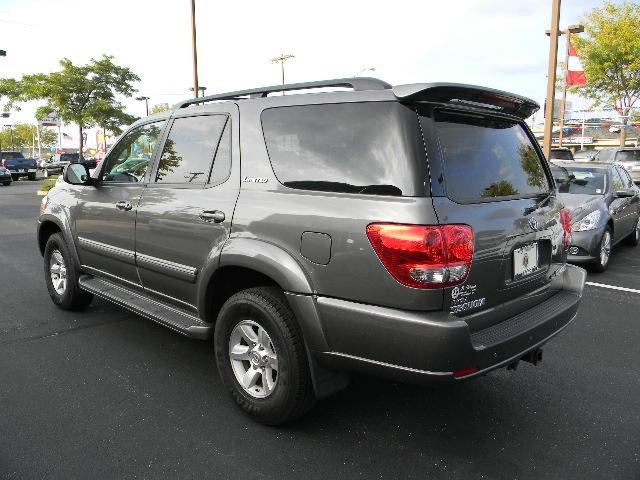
point(282, 58)
point(146, 102)
point(551, 77)
point(195, 50)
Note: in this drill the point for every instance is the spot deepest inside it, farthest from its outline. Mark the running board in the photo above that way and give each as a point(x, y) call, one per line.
point(170, 317)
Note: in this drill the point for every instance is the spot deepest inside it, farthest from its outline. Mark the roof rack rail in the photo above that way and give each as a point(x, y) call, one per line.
point(357, 83)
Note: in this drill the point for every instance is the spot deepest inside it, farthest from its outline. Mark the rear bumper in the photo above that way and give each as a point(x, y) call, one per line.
point(427, 347)
point(29, 171)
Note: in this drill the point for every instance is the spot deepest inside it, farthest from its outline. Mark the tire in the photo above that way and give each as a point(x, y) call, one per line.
point(32, 176)
point(67, 296)
point(634, 237)
point(15, 178)
point(6, 184)
point(290, 394)
point(601, 264)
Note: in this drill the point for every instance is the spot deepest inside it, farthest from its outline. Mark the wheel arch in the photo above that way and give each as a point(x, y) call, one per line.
point(49, 225)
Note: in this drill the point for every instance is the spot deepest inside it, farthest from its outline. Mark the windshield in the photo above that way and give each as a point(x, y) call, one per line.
point(586, 181)
point(628, 156)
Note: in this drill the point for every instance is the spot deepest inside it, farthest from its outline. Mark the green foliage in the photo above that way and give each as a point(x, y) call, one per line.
point(21, 135)
point(610, 52)
point(159, 107)
point(10, 93)
point(83, 94)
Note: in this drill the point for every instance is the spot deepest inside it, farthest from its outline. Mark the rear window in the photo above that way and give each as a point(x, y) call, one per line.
point(561, 155)
point(367, 148)
point(628, 156)
point(68, 157)
point(486, 158)
point(11, 155)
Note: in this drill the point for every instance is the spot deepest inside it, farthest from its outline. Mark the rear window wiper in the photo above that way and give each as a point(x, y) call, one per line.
point(540, 204)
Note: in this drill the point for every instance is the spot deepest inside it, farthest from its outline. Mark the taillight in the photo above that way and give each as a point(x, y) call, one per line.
point(4, 163)
point(565, 220)
point(424, 256)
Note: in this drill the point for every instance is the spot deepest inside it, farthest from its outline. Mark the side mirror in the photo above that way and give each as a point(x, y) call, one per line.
point(77, 174)
point(625, 193)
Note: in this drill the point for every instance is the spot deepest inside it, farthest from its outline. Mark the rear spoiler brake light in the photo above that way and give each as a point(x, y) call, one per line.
point(469, 95)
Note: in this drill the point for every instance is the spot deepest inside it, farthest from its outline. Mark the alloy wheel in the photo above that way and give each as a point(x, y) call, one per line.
point(58, 272)
point(605, 248)
point(253, 358)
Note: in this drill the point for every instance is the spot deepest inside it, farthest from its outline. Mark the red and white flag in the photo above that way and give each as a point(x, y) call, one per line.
point(575, 70)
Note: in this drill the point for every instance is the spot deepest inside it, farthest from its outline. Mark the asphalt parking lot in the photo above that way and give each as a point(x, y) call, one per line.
point(106, 394)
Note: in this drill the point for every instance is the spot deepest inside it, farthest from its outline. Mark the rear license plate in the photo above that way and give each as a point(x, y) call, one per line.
point(525, 261)
point(21, 170)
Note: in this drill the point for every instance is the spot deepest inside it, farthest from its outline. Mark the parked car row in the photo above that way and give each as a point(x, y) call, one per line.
point(625, 157)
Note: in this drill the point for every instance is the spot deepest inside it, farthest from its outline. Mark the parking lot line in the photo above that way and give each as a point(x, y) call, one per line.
point(613, 287)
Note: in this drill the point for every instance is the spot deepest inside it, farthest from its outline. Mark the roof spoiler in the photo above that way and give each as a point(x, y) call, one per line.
point(468, 95)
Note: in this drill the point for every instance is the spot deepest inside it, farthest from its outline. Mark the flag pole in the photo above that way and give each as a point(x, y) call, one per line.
point(563, 103)
point(551, 77)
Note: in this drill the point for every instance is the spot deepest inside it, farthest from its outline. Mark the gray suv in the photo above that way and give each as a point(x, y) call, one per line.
point(412, 232)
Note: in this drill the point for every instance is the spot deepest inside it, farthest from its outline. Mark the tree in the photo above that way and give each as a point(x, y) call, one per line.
point(9, 93)
point(22, 135)
point(83, 94)
point(611, 56)
point(160, 107)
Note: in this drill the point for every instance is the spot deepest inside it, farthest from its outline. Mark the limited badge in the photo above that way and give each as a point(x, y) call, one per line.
point(461, 299)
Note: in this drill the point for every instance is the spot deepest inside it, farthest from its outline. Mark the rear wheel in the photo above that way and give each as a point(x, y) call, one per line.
point(6, 184)
point(14, 177)
point(32, 176)
point(261, 356)
point(634, 237)
point(62, 277)
point(604, 252)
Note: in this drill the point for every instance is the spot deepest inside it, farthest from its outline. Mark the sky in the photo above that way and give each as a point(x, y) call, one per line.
point(494, 43)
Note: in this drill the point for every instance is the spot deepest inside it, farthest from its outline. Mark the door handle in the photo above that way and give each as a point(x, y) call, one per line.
point(215, 216)
point(122, 205)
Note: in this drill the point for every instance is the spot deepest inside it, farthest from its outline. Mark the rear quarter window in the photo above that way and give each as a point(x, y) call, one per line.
point(370, 148)
point(487, 158)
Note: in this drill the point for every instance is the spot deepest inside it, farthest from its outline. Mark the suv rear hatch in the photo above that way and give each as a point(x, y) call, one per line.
point(487, 171)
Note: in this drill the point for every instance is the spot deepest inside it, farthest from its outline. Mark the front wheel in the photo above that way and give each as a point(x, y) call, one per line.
point(62, 277)
point(32, 176)
point(634, 237)
point(261, 356)
point(6, 184)
point(604, 252)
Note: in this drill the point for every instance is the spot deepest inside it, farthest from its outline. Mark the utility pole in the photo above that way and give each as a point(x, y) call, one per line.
point(282, 58)
point(195, 48)
point(551, 77)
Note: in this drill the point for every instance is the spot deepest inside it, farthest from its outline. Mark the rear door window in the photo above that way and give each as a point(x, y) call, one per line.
point(365, 148)
point(628, 156)
point(188, 152)
point(487, 158)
